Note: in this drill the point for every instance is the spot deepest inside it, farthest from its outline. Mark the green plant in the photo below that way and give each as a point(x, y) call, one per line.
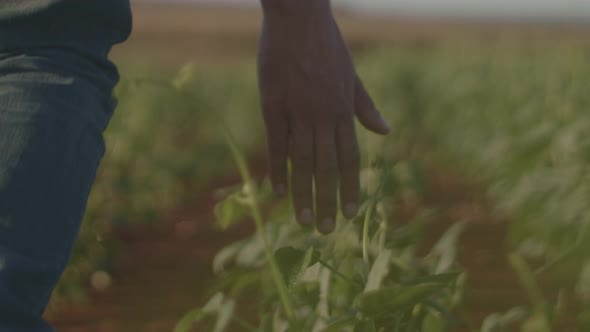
point(365, 276)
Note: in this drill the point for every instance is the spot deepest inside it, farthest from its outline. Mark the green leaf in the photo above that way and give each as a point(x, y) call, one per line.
point(529, 283)
point(187, 321)
point(391, 184)
point(392, 299)
point(184, 76)
point(267, 323)
point(293, 263)
point(446, 247)
point(296, 326)
point(225, 256)
point(194, 316)
point(247, 280)
point(418, 177)
point(214, 303)
point(340, 324)
point(265, 191)
point(365, 326)
point(435, 321)
point(230, 211)
point(500, 322)
point(379, 270)
point(224, 316)
point(366, 226)
point(443, 278)
point(537, 323)
point(252, 253)
point(583, 284)
point(584, 320)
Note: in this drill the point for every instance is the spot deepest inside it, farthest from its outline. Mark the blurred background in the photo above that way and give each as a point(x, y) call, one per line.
point(488, 101)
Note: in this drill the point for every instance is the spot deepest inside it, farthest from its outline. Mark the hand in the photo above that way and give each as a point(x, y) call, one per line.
point(310, 95)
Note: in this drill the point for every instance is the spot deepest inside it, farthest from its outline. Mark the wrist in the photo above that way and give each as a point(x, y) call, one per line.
point(287, 13)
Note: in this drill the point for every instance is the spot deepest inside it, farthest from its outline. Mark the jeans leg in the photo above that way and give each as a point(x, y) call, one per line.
point(50, 147)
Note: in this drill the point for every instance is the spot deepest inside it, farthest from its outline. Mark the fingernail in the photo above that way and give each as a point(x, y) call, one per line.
point(326, 226)
point(306, 217)
point(280, 189)
point(350, 210)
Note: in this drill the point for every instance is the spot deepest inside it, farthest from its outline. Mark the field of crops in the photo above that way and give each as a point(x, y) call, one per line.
point(505, 116)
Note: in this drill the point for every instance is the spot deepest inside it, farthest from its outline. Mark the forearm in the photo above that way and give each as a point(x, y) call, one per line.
point(287, 10)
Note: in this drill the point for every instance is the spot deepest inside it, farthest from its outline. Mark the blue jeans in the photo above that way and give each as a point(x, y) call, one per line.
point(54, 105)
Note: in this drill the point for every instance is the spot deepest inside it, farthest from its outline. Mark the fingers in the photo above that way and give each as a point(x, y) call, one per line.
point(277, 130)
point(325, 153)
point(366, 112)
point(349, 168)
point(302, 158)
point(326, 178)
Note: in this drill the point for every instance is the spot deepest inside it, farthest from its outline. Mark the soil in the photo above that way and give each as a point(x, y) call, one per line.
point(165, 270)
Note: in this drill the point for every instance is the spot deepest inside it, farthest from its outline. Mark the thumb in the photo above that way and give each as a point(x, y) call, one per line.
point(366, 112)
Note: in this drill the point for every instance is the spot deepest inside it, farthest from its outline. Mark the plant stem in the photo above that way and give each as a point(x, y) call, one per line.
point(569, 251)
point(366, 224)
point(369, 217)
point(259, 222)
point(527, 279)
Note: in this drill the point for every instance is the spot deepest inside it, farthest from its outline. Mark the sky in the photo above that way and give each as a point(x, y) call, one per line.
point(557, 10)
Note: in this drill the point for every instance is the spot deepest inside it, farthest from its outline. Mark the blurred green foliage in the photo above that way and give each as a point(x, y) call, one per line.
point(514, 117)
